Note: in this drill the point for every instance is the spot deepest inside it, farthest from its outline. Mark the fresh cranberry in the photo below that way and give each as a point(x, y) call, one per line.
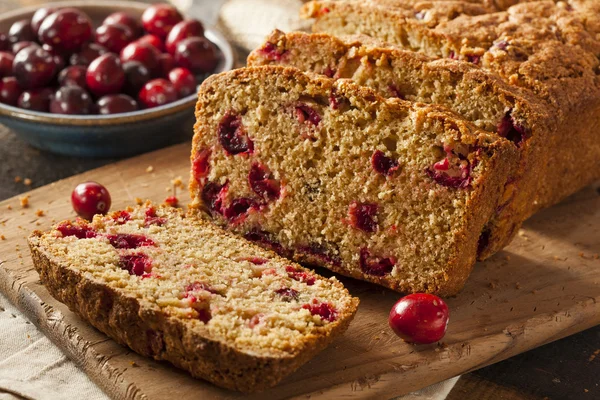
point(73, 75)
point(362, 216)
point(153, 41)
point(35, 99)
point(509, 129)
point(159, 19)
point(167, 64)
point(157, 92)
point(21, 31)
point(287, 294)
point(10, 90)
point(375, 266)
point(89, 199)
point(298, 274)
point(116, 104)
point(306, 113)
point(124, 19)
point(383, 164)
point(58, 58)
point(262, 182)
point(197, 54)
point(34, 67)
point(105, 75)
point(6, 64)
point(265, 240)
point(114, 37)
point(239, 209)
point(79, 231)
point(183, 80)
point(88, 53)
point(66, 30)
point(38, 17)
point(172, 201)
point(419, 318)
point(201, 166)
point(4, 42)
point(142, 52)
point(326, 311)
point(232, 135)
point(136, 76)
point(129, 241)
point(152, 218)
point(17, 47)
point(136, 264)
point(271, 52)
point(71, 100)
point(183, 30)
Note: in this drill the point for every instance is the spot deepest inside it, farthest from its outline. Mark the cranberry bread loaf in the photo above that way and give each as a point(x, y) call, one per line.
point(497, 106)
point(180, 289)
point(329, 173)
point(549, 50)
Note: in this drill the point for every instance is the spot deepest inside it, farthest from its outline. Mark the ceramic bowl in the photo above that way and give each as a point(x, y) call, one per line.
point(114, 135)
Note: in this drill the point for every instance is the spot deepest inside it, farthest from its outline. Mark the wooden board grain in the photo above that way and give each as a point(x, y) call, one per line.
point(544, 286)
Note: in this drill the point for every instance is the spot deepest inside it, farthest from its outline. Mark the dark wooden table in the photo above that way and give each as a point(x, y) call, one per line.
point(566, 369)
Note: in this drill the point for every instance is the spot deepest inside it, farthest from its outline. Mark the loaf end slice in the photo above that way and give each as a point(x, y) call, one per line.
point(331, 174)
point(175, 288)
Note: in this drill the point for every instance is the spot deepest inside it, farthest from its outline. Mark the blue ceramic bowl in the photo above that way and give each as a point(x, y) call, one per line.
point(114, 135)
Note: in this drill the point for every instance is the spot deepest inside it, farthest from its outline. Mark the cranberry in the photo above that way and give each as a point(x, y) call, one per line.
point(419, 318)
point(255, 260)
point(136, 76)
point(262, 182)
point(473, 58)
point(89, 199)
point(320, 253)
point(298, 274)
point(115, 104)
point(509, 129)
point(71, 100)
point(452, 172)
point(362, 216)
point(198, 287)
point(34, 67)
point(395, 92)
point(153, 41)
point(159, 19)
point(183, 30)
point(287, 294)
point(35, 99)
point(172, 201)
point(142, 52)
point(157, 92)
point(73, 75)
point(121, 217)
point(9, 91)
point(38, 17)
point(306, 113)
point(6, 64)
point(114, 37)
point(21, 31)
point(167, 64)
point(4, 42)
point(129, 241)
point(204, 315)
point(152, 218)
point(105, 75)
point(197, 54)
point(17, 47)
point(326, 311)
point(383, 164)
point(374, 265)
point(88, 53)
point(232, 135)
point(483, 241)
point(183, 80)
point(79, 231)
point(265, 240)
point(66, 30)
point(58, 59)
point(201, 166)
point(239, 209)
point(124, 19)
point(271, 52)
point(338, 101)
point(136, 264)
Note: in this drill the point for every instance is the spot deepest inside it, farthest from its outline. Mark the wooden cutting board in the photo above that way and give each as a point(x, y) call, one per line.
point(544, 286)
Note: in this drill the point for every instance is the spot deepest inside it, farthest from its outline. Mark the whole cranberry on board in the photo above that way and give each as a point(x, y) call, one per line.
point(159, 19)
point(419, 318)
point(89, 199)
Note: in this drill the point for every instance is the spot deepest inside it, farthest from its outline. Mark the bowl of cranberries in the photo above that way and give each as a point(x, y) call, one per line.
point(104, 80)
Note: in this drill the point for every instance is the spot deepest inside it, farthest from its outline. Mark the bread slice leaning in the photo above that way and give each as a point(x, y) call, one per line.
point(176, 288)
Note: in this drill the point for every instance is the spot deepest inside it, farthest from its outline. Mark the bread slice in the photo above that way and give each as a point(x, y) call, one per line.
point(330, 173)
point(549, 50)
point(478, 96)
point(176, 288)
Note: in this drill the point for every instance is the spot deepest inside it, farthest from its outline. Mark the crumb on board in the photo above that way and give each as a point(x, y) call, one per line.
point(27, 182)
point(2, 237)
point(581, 254)
point(517, 286)
point(178, 182)
point(138, 201)
point(133, 364)
point(18, 179)
point(149, 169)
point(24, 201)
point(596, 256)
point(40, 213)
point(8, 207)
point(507, 258)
